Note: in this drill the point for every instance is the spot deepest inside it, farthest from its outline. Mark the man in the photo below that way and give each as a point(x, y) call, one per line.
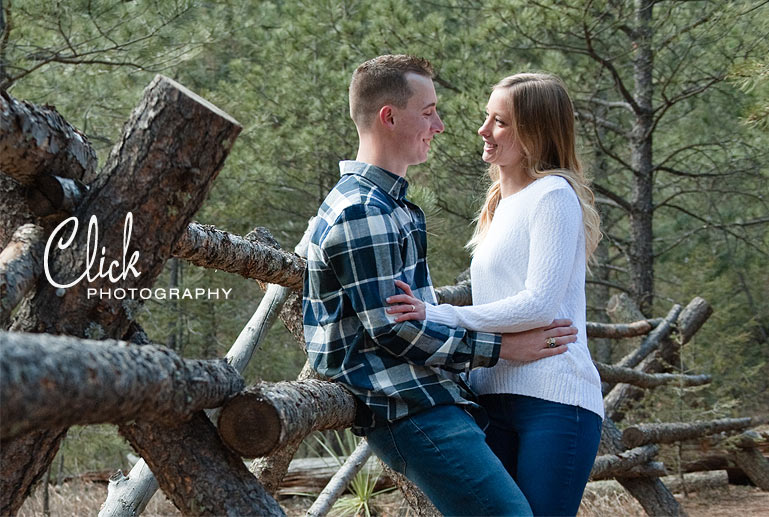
point(414, 407)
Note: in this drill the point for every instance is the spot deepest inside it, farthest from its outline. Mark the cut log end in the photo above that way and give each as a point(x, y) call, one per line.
point(244, 416)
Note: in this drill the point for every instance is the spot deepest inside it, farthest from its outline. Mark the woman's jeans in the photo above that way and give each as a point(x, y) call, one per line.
point(547, 447)
point(444, 452)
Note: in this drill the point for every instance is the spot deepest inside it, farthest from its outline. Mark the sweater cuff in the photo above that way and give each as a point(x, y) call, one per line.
point(440, 314)
point(486, 348)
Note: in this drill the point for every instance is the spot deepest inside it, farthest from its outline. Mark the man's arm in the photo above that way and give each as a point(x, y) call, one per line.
point(363, 250)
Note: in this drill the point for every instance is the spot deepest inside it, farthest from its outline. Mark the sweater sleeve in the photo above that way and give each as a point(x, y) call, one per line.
point(555, 226)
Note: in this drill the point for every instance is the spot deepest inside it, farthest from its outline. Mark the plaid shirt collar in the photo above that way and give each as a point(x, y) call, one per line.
point(391, 183)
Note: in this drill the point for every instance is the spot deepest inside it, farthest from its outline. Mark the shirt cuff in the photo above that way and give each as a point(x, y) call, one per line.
point(486, 349)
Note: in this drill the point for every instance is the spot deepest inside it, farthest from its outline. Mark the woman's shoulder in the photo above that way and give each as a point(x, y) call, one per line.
point(556, 189)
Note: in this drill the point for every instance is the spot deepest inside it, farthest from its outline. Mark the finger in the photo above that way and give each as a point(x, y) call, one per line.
point(401, 298)
point(549, 352)
point(407, 316)
point(400, 308)
point(404, 286)
point(559, 323)
point(561, 331)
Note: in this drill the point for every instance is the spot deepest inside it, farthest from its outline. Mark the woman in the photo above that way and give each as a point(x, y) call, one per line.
point(534, 234)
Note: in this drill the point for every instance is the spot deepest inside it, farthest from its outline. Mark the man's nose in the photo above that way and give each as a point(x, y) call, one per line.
point(438, 126)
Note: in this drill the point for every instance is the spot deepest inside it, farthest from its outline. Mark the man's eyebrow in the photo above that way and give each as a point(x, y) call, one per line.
point(429, 105)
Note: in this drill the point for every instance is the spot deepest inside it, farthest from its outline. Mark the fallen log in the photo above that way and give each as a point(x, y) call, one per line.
point(621, 330)
point(642, 434)
point(460, 294)
point(651, 493)
point(208, 247)
point(615, 465)
point(21, 263)
point(283, 412)
point(54, 381)
point(617, 374)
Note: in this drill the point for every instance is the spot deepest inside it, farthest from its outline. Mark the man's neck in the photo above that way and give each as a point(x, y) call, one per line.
point(381, 157)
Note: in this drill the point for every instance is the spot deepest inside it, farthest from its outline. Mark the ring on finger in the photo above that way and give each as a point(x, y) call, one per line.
point(413, 308)
point(550, 342)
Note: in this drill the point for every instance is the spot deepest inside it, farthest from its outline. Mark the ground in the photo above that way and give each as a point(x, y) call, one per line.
point(79, 498)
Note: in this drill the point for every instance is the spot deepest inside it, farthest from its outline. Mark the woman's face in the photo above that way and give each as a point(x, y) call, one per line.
point(500, 146)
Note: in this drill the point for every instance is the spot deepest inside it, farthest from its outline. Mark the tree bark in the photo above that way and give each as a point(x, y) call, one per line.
point(283, 412)
point(36, 140)
point(21, 263)
point(211, 248)
point(52, 381)
point(197, 471)
point(642, 434)
point(156, 171)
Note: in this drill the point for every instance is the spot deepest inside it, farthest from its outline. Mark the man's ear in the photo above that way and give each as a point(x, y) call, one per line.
point(386, 116)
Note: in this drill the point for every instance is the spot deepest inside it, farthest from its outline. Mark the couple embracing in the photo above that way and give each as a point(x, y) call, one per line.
point(493, 408)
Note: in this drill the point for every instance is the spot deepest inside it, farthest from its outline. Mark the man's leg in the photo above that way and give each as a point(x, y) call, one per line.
point(444, 452)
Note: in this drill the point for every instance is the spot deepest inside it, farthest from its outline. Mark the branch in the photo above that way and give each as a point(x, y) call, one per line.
point(652, 341)
point(339, 481)
point(609, 466)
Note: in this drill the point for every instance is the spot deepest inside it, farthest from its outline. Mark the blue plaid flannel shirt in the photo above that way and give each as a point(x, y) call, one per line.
point(366, 236)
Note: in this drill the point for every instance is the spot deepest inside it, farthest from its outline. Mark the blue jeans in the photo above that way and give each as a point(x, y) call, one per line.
point(444, 452)
point(547, 447)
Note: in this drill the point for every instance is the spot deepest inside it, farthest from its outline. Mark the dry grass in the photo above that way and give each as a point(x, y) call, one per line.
point(78, 498)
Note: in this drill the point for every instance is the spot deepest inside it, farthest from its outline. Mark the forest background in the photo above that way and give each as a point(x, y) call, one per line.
point(672, 101)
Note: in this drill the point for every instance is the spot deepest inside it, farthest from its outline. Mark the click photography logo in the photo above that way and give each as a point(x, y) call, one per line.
point(107, 274)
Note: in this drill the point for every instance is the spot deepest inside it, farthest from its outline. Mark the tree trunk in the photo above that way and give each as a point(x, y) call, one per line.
point(51, 381)
point(642, 203)
point(157, 172)
point(642, 434)
point(129, 495)
point(197, 471)
point(21, 263)
point(283, 412)
point(621, 330)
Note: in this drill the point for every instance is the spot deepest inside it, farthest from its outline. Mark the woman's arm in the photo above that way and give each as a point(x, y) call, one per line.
point(555, 228)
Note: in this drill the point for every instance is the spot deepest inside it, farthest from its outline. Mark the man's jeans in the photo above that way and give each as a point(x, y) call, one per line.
point(444, 452)
point(548, 448)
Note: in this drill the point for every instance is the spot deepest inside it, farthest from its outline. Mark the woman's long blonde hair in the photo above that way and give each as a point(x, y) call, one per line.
point(543, 118)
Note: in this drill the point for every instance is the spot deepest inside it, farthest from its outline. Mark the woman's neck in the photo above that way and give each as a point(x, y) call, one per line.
point(513, 180)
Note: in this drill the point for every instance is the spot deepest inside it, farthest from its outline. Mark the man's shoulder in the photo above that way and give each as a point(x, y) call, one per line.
point(354, 196)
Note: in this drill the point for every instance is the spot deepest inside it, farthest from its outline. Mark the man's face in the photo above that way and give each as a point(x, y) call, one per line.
point(417, 124)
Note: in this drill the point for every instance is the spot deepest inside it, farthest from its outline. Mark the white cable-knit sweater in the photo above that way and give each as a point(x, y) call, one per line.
point(528, 271)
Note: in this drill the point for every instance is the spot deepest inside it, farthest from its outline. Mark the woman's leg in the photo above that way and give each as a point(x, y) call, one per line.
point(555, 445)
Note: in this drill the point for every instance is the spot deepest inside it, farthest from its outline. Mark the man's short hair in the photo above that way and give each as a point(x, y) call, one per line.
point(382, 81)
